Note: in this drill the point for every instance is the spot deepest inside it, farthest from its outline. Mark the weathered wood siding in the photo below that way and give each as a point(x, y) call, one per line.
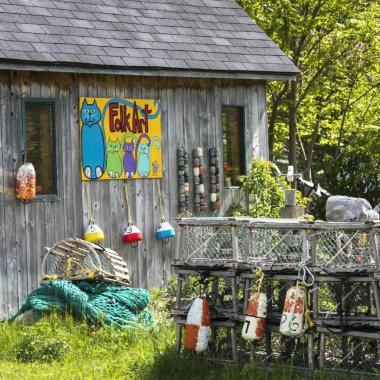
point(191, 112)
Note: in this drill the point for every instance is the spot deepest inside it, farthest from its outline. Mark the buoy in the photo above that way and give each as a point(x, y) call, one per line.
point(292, 319)
point(93, 233)
point(26, 182)
point(132, 235)
point(255, 320)
point(197, 329)
point(165, 231)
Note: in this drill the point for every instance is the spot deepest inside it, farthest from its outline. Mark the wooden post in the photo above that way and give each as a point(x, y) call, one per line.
point(247, 285)
point(235, 358)
point(322, 348)
point(179, 337)
point(235, 244)
point(310, 351)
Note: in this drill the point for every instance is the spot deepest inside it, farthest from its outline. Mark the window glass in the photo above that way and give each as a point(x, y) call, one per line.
point(233, 144)
point(40, 143)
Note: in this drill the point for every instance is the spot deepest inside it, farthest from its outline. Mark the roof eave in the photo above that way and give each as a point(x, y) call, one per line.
point(148, 71)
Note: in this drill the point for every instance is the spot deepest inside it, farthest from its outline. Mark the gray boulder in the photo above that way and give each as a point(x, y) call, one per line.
point(348, 209)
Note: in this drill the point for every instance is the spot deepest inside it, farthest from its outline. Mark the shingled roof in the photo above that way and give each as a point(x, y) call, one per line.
point(191, 35)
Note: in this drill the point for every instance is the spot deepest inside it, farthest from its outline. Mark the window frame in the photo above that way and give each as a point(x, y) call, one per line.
point(242, 140)
point(52, 102)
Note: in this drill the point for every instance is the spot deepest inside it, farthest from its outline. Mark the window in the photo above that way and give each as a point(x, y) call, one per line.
point(39, 130)
point(233, 144)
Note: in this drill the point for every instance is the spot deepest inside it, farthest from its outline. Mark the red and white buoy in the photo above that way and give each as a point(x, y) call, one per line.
point(131, 235)
point(292, 319)
point(255, 320)
point(197, 330)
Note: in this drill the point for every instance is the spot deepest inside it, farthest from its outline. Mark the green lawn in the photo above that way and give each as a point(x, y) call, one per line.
point(61, 348)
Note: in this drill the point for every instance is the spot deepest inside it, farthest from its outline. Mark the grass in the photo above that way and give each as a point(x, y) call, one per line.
point(58, 347)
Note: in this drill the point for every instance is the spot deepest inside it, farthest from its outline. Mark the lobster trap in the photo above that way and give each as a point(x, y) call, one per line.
point(211, 239)
point(338, 264)
point(76, 259)
point(343, 246)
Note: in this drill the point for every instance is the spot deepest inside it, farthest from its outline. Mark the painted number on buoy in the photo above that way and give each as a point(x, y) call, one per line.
point(247, 328)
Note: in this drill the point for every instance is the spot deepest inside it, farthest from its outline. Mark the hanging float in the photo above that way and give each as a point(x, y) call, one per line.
point(295, 317)
point(183, 178)
point(26, 183)
point(197, 329)
point(255, 320)
point(214, 180)
point(132, 235)
point(93, 232)
point(198, 172)
point(165, 230)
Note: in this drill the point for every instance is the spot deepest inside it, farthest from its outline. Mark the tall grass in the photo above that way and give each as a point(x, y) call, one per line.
point(59, 347)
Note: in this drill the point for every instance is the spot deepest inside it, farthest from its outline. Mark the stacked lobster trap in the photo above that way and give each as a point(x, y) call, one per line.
point(334, 265)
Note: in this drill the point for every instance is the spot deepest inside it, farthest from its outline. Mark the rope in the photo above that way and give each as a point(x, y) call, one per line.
point(98, 303)
point(130, 222)
point(21, 125)
point(305, 272)
point(260, 279)
point(88, 198)
point(160, 198)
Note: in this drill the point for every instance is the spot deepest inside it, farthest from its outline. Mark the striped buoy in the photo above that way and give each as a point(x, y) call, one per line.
point(198, 173)
point(183, 177)
point(255, 320)
point(214, 180)
point(197, 330)
point(292, 319)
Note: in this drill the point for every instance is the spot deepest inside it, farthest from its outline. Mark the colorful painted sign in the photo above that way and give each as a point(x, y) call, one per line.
point(120, 138)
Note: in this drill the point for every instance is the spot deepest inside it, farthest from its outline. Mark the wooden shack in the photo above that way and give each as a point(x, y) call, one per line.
point(206, 63)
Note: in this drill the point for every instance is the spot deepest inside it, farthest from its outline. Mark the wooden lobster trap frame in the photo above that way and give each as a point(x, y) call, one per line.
point(76, 259)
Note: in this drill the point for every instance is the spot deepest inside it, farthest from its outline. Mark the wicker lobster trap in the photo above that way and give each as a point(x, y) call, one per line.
point(76, 259)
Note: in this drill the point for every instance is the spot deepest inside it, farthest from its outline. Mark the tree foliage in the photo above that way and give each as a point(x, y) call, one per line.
point(333, 106)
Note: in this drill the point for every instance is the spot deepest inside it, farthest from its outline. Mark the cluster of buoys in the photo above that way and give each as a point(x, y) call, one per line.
point(214, 180)
point(183, 179)
point(199, 189)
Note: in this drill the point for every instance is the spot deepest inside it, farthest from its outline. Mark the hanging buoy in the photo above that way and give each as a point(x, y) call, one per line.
point(26, 182)
point(132, 235)
point(93, 232)
point(197, 330)
point(292, 319)
point(165, 230)
point(255, 320)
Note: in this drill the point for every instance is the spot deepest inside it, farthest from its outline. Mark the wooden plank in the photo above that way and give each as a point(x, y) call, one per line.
point(19, 208)
point(140, 199)
point(156, 269)
point(4, 217)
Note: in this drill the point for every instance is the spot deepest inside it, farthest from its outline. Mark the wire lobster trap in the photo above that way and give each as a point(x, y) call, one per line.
point(76, 259)
point(347, 305)
point(350, 352)
point(211, 239)
point(279, 242)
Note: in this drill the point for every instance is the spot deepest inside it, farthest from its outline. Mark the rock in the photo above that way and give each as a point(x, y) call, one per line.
point(348, 209)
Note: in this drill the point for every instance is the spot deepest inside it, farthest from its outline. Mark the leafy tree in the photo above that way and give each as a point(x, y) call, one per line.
point(265, 192)
point(334, 104)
